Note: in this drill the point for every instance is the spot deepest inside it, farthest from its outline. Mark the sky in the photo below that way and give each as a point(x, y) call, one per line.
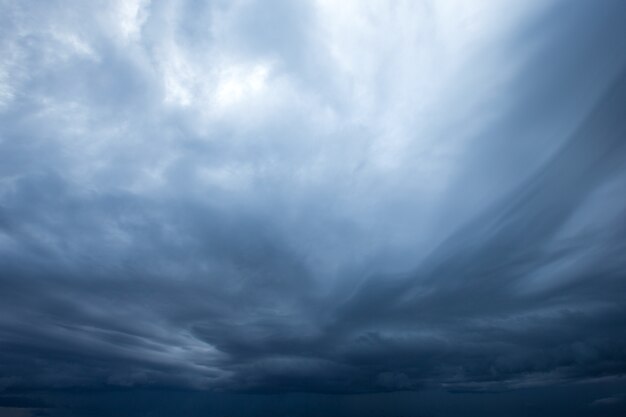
point(312, 208)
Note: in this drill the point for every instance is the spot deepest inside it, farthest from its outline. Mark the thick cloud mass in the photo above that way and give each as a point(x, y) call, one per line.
point(320, 196)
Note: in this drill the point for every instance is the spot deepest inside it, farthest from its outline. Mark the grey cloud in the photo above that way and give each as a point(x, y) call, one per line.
point(206, 197)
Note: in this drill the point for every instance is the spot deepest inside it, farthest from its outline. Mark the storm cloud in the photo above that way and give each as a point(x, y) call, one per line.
point(321, 197)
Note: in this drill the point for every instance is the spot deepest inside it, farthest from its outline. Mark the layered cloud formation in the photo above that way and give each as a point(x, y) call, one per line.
point(328, 196)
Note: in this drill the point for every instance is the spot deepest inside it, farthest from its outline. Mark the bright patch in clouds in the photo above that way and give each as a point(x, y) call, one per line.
point(237, 84)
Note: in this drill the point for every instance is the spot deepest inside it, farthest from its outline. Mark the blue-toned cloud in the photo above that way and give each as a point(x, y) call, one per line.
point(312, 196)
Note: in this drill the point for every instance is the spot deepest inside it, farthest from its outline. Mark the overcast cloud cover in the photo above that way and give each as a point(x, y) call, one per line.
point(312, 196)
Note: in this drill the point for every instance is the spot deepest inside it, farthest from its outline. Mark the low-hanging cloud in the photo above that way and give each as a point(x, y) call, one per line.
point(312, 196)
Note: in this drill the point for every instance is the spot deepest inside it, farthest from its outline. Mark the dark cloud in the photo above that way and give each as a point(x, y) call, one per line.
point(237, 198)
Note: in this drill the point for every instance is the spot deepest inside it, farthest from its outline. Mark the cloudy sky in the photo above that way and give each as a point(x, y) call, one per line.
point(292, 202)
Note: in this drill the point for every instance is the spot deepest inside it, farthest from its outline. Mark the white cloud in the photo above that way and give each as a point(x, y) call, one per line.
point(129, 16)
